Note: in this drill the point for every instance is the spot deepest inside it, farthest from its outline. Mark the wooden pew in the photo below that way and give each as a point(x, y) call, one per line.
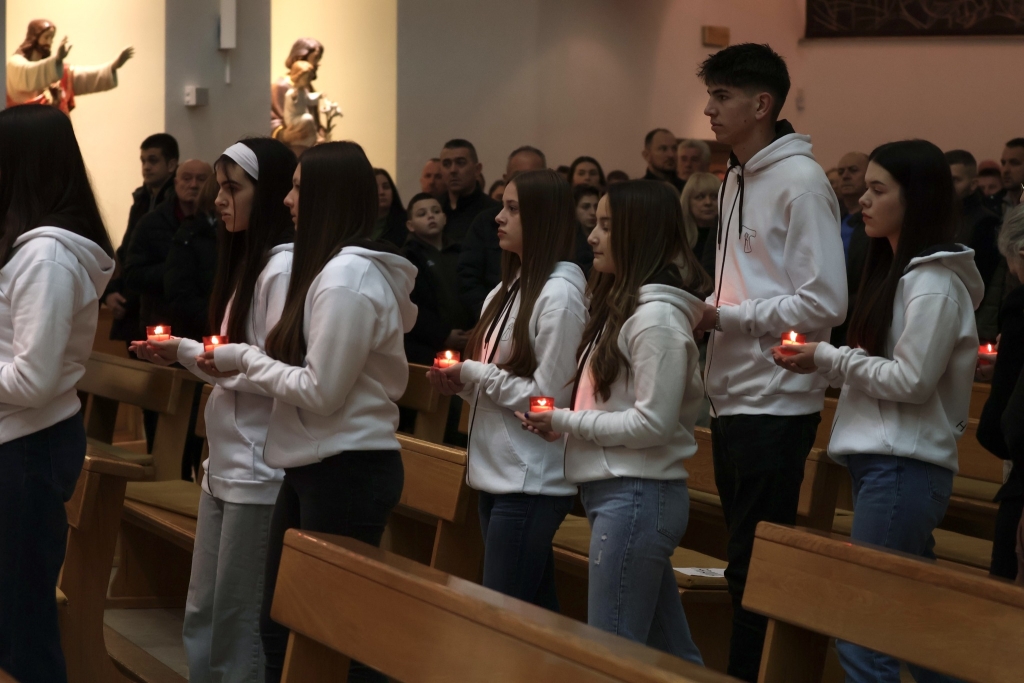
point(344, 599)
point(109, 381)
point(814, 586)
point(436, 522)
point(93, 514)
point(6, 677)
point(430, 406)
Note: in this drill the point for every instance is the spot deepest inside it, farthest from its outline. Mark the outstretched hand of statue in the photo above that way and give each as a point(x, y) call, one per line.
point(125, 55)
point(63, 49)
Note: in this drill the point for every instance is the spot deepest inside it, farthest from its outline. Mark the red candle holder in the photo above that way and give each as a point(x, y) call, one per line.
point(446, 359)
point(987, 354)
point(541, 404)
point(210, 343)
point(158, 333)
point(792, 339)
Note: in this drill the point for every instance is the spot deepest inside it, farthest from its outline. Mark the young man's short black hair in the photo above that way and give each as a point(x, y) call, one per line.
point(749, 66)
point(419, 197)
point(1016, 142)
point(962, 157)
point(459, 143)
point(164, 142)
point(650, 136)
point(532, 150)
point(582, 190)
point(990, 172)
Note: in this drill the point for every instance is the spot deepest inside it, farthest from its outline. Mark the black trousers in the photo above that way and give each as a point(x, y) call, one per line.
point(349, 494)
point(759, 467)
point(1004, 544)
point(40, 471)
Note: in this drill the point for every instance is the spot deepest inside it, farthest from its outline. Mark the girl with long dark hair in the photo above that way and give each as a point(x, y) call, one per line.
point(222, 611)
point(907, 375)
point(630, 425)
point(587, 171)
point(55, 261)
point(334, 364)
point(523, 347)
point(391, 216)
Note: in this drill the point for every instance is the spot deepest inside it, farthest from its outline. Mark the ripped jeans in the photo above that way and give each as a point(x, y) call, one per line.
point(636, 525)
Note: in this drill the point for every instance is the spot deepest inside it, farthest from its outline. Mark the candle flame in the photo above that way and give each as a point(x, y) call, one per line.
point(158, 330)
point(989, 348)
point(215, 340)
point(792, 336)
point(542, 402)
point(448, 355)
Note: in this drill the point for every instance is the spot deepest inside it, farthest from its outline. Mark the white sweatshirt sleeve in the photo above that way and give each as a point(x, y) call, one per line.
point(658, 367)
point(42, 308)
point(559, 331)
point(919, 358)
point(815, 265)
point(188, 350)
point(339, 342)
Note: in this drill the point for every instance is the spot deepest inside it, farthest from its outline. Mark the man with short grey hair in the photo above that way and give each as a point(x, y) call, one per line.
point(693, 156)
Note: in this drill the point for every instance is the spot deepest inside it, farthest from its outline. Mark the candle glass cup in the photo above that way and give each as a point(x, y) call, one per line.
point(212, 342)
point(446, 359)
point(541, 404)
point(158, 333)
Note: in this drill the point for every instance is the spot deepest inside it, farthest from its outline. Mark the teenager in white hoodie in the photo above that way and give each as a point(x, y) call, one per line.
point(908, 373)
point(630, 424)
point(55, 261)
point(523, 346)
point(779, 266)
point(334, 365)
point(222, 612)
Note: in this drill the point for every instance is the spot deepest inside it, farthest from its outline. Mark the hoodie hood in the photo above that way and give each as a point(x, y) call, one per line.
point(960, 260)
point(691, 306)
point(571, 273)
point(96, 262)
point(787, 143)
point(399, 273)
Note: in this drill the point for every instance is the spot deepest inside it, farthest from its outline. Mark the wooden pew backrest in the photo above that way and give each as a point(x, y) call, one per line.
point(813, 586)
point(345, 599)
point(434, 478)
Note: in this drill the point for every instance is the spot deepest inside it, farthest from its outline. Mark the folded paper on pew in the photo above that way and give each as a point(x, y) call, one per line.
point(708, 572)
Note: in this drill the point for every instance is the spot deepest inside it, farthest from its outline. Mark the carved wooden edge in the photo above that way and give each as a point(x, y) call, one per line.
point(433, 450)
point(891, 562)
point(113, 467)
point(513, 618)
point(171, 526)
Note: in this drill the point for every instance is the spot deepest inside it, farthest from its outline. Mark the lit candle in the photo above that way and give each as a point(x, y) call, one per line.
point(158, 333)
point(541, 404)
point(987, 354)
point(792, 338)
point(210, 343)
point(446, 359)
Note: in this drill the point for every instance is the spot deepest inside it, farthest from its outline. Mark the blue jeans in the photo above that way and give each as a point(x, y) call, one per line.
point(635, 526)
point(39, 474)
point(518, 529)
point(222, 613)
point(897, 503)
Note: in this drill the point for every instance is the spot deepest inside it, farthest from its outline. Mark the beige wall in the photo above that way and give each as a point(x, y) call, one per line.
point(359, 66)
point(109, 125)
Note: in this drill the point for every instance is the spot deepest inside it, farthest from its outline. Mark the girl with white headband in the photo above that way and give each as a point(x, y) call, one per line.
point(221, 631)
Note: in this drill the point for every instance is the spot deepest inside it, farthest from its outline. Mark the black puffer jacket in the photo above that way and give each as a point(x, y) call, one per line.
point(188, 276)
point(146, 261)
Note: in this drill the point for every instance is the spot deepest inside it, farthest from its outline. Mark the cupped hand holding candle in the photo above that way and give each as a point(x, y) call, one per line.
point(539, 421)
point(987, 354)
point(212, 342)
point(158, 333)
point(446, 359)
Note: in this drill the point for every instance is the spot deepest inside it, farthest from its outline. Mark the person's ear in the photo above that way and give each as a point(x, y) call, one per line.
point(764, 102)
point(172, 166)
point(974, 183)
point(646, 154)
point(479, 169)
point(409, 226)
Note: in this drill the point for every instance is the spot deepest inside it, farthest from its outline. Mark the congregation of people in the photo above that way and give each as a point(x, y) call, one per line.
point(642, 306)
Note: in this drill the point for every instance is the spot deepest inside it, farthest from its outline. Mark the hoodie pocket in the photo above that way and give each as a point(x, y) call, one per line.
point(493, 463)
point(764, 363)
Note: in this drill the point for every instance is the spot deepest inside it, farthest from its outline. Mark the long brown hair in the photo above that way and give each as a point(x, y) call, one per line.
point(648, 245)
point(548, 215)
point(337, 207)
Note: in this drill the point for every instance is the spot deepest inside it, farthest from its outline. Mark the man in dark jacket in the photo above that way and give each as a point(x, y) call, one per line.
point(852, 186)
point(188, 276)
point(660, 147)
point(480, 260)
point(145, 263)
point(159, 156)
point(979, 226)
point(464, 200)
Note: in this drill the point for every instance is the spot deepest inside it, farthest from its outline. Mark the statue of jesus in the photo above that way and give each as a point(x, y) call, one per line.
point(36, 75)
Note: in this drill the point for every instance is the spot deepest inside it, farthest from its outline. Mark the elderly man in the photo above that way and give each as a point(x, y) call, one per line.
point(693, 156)
point(851, 187)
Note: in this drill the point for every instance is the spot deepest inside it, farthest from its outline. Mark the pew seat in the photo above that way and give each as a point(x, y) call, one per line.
point(181, 497)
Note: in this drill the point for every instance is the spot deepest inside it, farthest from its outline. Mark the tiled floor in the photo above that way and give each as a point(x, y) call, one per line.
point(157, 631)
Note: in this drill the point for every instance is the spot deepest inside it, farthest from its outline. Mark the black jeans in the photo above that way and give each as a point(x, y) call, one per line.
point(1004, 544)
point(517, 530)
point(39, 473)
point(759, 467)
point(349, 494)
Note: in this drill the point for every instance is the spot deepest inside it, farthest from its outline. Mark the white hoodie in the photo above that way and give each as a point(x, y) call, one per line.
point(238, 411)
point(343, 396)
point(502, 457)
point(645, 428)
point(779, 266)
point(914, 405)
point(49, 302)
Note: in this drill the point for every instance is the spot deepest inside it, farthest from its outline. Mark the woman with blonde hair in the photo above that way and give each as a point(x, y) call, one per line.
point(700, 215)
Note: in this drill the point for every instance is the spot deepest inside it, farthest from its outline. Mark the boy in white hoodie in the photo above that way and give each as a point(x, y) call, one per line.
point(779, 266)
point(55, 261)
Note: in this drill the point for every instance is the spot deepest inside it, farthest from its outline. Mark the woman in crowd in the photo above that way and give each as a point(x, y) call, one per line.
point(497, 190)
point(586, 198)
point(586, 171)
point(523, 346)
point(630, 423)
point(222, 612)
point(55, 261)
point(334, 365)
point(908, 373)
point(700, 214)
point(391, 216)
point(1008, 366)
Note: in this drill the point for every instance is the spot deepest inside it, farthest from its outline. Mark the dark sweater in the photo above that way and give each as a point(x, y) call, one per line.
point(979, 230)
point(673, 179)
point(188, 276)
point(145, 263)
point(466, 210)
point(436, 295)
point(858, 256)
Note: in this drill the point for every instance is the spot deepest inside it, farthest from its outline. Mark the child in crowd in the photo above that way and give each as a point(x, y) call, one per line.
point(523, 346)
point(630, 422)
point(906, 378)
point(222, 611)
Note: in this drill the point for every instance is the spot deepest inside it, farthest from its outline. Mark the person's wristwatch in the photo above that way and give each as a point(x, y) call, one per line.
point(718, 318)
